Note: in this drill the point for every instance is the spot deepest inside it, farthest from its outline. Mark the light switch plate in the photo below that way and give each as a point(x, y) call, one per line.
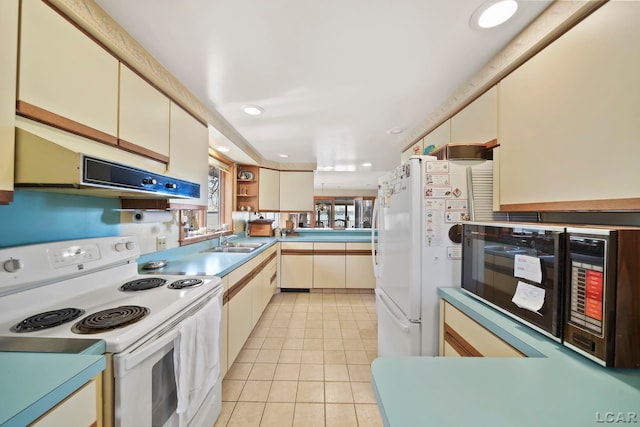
point(161, 243)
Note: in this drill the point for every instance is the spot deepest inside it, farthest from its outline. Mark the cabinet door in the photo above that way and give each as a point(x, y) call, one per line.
point(572, 142)
point(439, 136)
point(189, 153)
point(296, 191)
point(296, 265)
point(144, 117)
point(8, 67)
point(225, 331)
point(240, 322)
point(269, 190)
point(359, 266)
point(478, 121)
point(78, 410)
point(65, 78)
point(328, 265)
point(463, 336)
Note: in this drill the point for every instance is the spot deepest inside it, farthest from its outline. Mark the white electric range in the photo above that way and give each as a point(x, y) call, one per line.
point(90, 288)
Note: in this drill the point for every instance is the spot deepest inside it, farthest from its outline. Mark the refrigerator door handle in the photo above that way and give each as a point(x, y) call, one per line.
point(388, 309)
point(374, 244)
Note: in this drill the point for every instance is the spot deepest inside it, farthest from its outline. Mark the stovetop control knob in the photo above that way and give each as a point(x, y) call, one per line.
point(171, 185)
point(130, 245)
point(120, 247)
point(12, 265)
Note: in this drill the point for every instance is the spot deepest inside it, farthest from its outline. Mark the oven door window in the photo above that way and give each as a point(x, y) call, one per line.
point(164, 397)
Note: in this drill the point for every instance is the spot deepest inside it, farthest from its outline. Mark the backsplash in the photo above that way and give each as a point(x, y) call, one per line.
point(39, 216)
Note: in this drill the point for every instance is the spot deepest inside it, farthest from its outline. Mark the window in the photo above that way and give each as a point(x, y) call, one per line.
point(215, 201)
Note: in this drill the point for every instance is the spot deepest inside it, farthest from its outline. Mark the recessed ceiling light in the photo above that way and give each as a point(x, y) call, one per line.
point(493, 13)
point(328, 168)
point(223, 149)
point(252, 110)
point(366, 165)
point(284, 156)
point(395, 131)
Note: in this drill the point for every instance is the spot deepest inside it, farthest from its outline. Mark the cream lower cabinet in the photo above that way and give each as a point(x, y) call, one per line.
point(296, 265)
point(329, 265)
point(78, 410)
point(240, 323)
point(462, 336)
point(224, 338)
point(359, 266)
point(270, 274)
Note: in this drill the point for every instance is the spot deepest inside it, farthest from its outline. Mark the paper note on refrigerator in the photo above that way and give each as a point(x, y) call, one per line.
point(527, 267)
point(529, 297)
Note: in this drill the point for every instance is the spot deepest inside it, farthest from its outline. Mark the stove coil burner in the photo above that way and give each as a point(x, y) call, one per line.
point(142, 284)
point(185, 283)
point(111, 318)
point(47, 320)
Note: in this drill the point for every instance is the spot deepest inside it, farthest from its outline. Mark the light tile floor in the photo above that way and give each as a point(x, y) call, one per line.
point(307, 363)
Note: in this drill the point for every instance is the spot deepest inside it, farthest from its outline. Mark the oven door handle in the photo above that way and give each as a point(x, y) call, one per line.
point(141, 353)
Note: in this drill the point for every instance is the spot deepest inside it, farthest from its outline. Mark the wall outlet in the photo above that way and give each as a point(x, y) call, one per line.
point(161, 243)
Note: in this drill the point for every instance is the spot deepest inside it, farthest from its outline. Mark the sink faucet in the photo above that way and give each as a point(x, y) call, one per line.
point(224, 240)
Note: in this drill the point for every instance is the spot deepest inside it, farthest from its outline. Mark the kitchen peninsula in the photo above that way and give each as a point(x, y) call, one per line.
point(552, 386)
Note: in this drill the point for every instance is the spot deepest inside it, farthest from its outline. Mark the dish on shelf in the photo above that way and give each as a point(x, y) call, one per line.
point(246, 176)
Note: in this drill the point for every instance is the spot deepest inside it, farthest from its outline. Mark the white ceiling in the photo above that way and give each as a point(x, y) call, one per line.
point(332, 76)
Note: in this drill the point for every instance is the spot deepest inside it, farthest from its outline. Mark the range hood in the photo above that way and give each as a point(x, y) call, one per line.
point(50, 166)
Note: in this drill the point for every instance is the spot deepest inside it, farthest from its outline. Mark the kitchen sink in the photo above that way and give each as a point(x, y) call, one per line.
point(241, 247)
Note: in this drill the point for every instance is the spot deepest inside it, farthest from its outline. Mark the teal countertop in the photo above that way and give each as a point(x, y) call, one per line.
point(191, 260)
point(553, 386)
point(33, 383)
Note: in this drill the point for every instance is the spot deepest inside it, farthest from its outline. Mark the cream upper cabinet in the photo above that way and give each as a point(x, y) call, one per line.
point(296, 191)
point(8, 65)
point(359, 266)
point(189, 153)
point(568, 119)
point(65, 78)
point(268, 190)
point(144, 117)
point(478, 121)
point(439, 136)
point(329, 265)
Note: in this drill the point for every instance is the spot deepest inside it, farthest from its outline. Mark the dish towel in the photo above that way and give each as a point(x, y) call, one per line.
point(196, 358)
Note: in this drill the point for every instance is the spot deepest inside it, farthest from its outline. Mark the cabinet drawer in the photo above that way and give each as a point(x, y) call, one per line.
point(79, 409)
point(468, 338)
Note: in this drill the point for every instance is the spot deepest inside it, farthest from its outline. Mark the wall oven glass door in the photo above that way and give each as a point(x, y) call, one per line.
point(493, 256)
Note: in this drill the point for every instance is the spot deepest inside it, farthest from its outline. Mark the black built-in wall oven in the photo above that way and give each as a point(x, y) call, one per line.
point(518, 268)
point(577, 284)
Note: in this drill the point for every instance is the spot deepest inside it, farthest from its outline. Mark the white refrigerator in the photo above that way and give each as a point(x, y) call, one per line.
point(419, 210)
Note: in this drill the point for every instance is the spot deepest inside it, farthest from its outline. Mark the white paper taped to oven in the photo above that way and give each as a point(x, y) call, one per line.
point(529, 297)
point(527, 267)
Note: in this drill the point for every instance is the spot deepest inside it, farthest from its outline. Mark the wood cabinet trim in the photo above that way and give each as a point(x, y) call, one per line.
point(339, 252)
point(460, 345)
point(6, 197)
point(358, 252)
point(41, 115)
point(576, 205)
point(137, 149)
point(297, 252)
